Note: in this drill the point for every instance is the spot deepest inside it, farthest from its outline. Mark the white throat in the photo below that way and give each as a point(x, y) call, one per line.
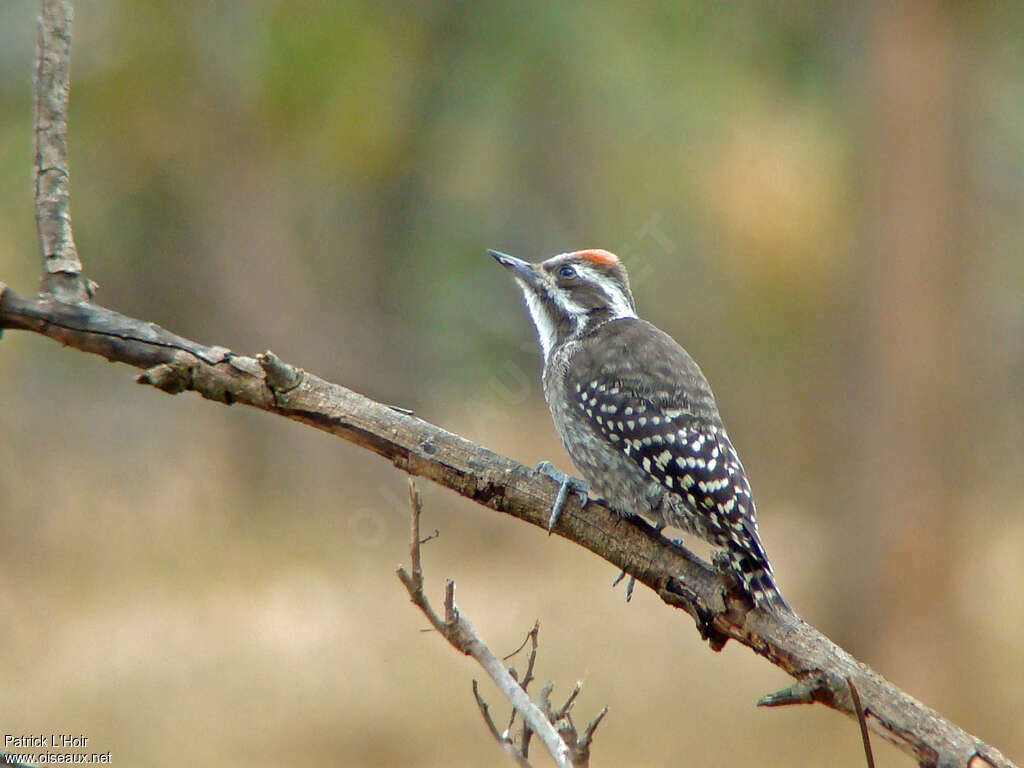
point(547, 329)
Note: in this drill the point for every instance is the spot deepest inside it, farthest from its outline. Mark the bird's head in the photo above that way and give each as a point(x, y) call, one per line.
point(570, 294)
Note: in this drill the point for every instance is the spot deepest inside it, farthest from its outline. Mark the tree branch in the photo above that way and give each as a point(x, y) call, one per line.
point(62, 271)
point(456, 629)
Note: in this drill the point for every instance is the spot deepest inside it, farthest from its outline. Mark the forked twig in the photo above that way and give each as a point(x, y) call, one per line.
point(503, 739)
point(457, 630)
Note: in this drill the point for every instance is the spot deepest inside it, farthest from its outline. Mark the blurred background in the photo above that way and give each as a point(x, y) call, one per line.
point(822, 202)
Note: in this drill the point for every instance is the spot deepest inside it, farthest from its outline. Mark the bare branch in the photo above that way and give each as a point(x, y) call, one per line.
point(457, 630)
point(416, 505)
point(62, 271)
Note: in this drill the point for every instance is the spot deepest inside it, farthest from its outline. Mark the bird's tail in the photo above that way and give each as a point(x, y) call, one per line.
point(754, 572)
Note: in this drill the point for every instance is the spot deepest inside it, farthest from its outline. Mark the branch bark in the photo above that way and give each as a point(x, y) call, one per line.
point(62, 270)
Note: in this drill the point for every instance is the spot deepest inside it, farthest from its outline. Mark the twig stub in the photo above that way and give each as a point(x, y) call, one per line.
point(862, 720)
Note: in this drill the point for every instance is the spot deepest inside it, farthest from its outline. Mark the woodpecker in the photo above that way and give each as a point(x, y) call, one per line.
point(636, 414)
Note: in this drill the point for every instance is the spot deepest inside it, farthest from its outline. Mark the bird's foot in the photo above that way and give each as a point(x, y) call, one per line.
point(629, 584)
point(568, 484)
point(659, 527)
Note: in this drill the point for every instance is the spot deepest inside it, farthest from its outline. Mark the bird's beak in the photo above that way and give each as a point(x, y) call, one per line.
point(521, 270)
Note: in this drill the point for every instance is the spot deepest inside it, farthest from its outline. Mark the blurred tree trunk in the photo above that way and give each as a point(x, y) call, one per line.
point(912, 429)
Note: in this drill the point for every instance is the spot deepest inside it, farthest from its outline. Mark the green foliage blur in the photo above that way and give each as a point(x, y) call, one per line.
point(821, 201)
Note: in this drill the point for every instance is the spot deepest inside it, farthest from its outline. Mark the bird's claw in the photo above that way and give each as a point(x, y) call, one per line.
point(632, 579)
point(568, 484)
point(629, 585)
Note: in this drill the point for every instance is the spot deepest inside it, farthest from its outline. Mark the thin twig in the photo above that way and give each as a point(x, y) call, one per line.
point(536, 627)
point(862, 719)
point(506, 743)
point(416, 510)
point(588, 732)
point(457, 630)
point(525, 740)
point(485, 711)
point(532, 660)
point(564, 711)
point(431, 536)
point(532, 638)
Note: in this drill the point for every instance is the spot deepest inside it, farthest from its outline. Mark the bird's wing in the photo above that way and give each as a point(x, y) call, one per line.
point(649, 398)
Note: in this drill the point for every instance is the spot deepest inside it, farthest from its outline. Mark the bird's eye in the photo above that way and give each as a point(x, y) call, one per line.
point(567, 271)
